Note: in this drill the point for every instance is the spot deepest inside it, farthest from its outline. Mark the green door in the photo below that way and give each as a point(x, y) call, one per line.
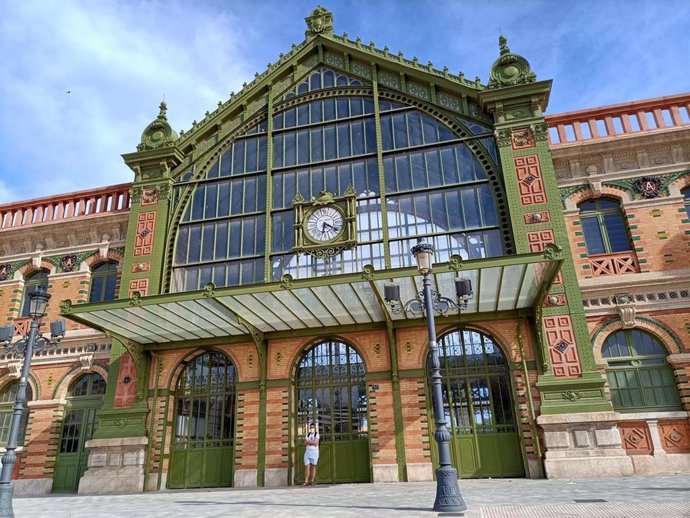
point(81, 421)
point(477, 400)
point(331, 392)
point(202, 452)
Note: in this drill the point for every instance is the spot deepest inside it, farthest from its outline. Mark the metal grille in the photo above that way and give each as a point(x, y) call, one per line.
point(205, 403)
point(476, 385)
point(331, 392)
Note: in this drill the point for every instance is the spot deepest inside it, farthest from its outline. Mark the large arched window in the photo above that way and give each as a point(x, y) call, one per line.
point(638, 374)
point(433, 184)
point(8, 398)
point(33, 282)
point(103, 282)
point(686, 197)
point(604, 227)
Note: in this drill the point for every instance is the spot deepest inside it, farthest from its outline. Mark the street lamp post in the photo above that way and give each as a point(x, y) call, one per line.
point(33, 341)
point(448, 497)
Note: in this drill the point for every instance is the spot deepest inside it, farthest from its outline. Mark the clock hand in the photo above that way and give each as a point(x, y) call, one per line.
point(329, 225)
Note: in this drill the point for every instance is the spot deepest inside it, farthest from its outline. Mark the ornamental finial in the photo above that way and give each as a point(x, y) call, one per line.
point(503, 44)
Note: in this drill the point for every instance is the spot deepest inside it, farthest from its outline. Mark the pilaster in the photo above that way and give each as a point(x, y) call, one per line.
point(568, 381)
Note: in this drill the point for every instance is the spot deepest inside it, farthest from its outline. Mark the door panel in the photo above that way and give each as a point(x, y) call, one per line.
point(72, 459)
point(478, 406)
point(331, 392)
point(202, 449)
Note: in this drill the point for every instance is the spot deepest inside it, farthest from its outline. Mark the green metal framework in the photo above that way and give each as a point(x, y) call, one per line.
point(331, 392)
point(33, 282)
point(639, 376)
point(604, 227)
point(103, 282)
point(477, 397)
point(80, 422)
point(434, 179)
point(8, 398)
point(202, 448)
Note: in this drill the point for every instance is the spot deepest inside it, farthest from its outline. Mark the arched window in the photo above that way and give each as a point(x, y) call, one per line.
point(103, 282)
point(686, 195)
point(638, 374)
point(8, 397)
point(434, 184)
point(91, 384)
point(604, 227)
point(33, 282)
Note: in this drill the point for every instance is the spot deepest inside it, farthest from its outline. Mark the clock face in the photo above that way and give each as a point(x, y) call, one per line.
point(325, 224)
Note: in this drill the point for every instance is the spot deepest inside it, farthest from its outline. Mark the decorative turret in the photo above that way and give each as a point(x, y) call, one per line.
point(320, 21)
point(159, 133)
point(509, 69)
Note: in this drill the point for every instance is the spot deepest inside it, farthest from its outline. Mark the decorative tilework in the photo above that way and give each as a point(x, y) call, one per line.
point(141, 267)
point(675, 436)
point(530, 182)
point(140, 285)
point(126, 388)
point(558, 333)
point(635, 438)
point(146, 224)
point(522, 138)
point(542, 216)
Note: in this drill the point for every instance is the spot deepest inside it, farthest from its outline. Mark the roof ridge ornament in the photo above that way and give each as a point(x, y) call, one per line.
point(509, 69)
point(158, 133)
point(320, 21)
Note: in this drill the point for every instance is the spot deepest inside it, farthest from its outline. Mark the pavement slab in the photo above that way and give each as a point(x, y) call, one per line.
point(665, 496)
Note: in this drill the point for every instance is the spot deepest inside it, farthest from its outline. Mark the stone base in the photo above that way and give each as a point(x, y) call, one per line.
point(244, 478)
point(535, 469)
point(419, 472)
point(275, 477)
point(385, 473)
point(33, 486)
point(659, 464)
point(115, 466)
point(584, 445)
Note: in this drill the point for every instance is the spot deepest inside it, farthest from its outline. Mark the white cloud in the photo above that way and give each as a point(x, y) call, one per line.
point(118, 59)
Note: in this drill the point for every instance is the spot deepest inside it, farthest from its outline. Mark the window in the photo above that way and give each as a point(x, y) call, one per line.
point(103, 282)
point(638, 374)
point(686, 195)
point(603, 226)
point(8, 397)
point(33, 282)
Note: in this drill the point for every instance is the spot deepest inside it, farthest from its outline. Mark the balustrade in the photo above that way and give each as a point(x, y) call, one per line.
point(619, 120)
point(106, 200)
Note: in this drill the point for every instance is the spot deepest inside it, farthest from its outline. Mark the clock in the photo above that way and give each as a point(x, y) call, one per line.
point(325, 223)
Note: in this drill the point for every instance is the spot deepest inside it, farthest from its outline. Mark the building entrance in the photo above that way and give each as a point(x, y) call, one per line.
point(331, 392)
point(84, 400)
point(202, 449)
point(478, 406)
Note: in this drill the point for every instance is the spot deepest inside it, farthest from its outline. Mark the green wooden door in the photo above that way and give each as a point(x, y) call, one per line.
point(331, 392)
point(202, 451)
point(478, 406)
point(78, 426)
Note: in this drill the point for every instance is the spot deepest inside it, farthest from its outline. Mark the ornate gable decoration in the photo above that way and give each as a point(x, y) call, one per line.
point(509, 69)
point(159, 133)
point(320, 21)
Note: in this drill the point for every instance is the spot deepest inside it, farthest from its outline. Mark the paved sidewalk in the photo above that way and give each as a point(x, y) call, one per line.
point(631, 497)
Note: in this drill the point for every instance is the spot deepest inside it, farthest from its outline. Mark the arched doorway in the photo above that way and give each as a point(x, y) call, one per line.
point(202, 451)
point(84, 400)
point(331, 392)
point(478, 406)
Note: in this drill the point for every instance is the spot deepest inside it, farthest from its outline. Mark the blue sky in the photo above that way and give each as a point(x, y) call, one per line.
point(119, 58)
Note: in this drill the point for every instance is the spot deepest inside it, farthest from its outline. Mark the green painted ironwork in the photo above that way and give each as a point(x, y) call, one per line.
point(202, 447)
point(331, 392)
point(638, 373)
point(479, 408)
point(78, 426)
